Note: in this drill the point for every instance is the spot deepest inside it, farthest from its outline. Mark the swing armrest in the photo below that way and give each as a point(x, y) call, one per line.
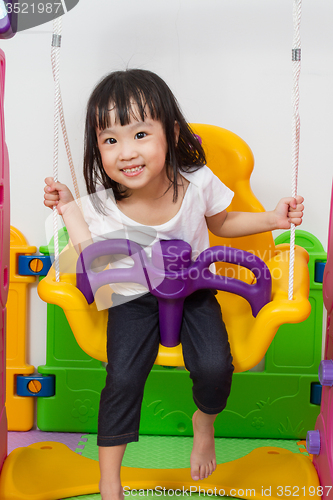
point(86, 321)
point(279, 268)
point(251, 337)
point(248, 350)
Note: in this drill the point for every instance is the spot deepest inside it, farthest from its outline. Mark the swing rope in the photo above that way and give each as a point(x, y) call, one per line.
point(296, 60)
point(55, 56)
point(59, 116)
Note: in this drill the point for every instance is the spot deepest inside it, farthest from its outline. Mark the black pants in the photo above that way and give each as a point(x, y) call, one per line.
point(132, 346)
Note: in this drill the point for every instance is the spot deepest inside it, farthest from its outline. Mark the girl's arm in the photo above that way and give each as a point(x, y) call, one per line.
point(57, 194)
point(234, 224)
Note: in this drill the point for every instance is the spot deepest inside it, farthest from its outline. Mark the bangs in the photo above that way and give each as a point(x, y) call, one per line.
point(136, 94)
point(129, 100)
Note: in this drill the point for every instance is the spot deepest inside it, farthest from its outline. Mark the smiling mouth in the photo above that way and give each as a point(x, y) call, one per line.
point(133, 170)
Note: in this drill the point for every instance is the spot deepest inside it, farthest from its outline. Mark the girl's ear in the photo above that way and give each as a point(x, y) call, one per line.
point(177, 132)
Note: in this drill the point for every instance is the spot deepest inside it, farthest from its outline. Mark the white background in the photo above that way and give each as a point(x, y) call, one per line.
point(227, 61)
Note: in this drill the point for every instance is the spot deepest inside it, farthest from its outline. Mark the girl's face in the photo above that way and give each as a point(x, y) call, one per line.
point(134, 155)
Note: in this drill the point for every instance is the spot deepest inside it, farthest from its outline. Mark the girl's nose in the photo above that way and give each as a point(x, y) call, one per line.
point(127, 151)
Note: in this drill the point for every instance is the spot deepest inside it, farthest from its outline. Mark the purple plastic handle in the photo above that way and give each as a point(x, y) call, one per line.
point(171, 276)
point(89, 281)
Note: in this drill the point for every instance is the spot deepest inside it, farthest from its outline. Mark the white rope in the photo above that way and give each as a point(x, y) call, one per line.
point(65, 136)
point(59, 116)
point(296, 60)
point(55, 56)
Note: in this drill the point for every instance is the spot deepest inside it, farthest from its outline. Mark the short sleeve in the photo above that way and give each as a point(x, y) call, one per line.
point(105, 225)
point(216, 195)
point(92, 217)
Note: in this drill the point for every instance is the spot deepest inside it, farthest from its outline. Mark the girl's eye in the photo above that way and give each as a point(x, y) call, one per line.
point(140, 135)
point(110, 140)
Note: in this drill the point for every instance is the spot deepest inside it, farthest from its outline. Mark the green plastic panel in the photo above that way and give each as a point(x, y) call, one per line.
point(312, 245)
point(79, 380)
point(63, 240)
point(296, 348)
point(261, 405)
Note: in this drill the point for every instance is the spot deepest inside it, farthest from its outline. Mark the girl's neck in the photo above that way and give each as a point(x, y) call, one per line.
point(151, 192)
point(153, 207)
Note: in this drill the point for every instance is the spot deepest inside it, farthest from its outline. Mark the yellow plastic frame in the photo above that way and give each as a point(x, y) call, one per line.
point(231, 159)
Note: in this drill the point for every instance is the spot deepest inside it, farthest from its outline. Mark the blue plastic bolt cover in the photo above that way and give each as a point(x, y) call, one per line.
point(313, 442)
point(47, 385)
point(325, 372)
point(25, 269)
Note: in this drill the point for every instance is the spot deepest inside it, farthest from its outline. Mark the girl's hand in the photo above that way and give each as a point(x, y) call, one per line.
point(289, 211)
point(56, 195)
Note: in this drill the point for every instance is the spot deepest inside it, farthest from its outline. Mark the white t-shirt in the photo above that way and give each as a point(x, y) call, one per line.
point(205, 196)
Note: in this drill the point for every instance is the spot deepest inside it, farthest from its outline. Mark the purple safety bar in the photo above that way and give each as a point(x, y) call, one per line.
point(171, 276)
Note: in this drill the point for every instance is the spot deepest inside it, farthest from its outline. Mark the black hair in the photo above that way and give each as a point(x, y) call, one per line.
point(147, 93)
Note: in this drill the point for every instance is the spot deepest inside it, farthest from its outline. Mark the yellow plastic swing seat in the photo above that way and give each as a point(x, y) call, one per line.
point(230, 158)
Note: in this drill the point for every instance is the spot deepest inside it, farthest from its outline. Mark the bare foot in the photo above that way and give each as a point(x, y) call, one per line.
point(203, 459)
point(111, 491)
point(110, 458)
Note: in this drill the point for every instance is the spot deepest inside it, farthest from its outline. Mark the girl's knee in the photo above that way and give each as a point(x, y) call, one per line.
point(214, 374)
point(125, 381)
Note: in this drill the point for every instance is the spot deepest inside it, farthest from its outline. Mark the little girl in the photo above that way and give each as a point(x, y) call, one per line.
point(140, 149)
